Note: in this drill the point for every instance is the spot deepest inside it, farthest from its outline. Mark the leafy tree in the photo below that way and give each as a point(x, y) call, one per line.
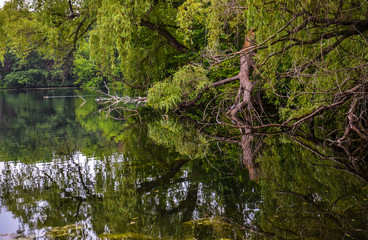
point(135, 30)
point(289, 62)
point(33, 71)
point(86, 72)
point(184, 85)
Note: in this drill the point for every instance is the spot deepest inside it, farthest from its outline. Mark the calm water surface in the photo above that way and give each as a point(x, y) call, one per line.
point(68, 172)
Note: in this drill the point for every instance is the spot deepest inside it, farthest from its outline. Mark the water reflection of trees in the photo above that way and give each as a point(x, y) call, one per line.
point(175, 189)
point(147, 189)
point(33, 128)
point(109, 194)
point(310, 188)
point(165, 177)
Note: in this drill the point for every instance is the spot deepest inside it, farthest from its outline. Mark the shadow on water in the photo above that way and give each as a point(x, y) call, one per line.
point(68, 172)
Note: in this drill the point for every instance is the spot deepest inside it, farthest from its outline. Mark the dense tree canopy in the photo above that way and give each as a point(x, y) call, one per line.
point(33, 71)
point(274, 64)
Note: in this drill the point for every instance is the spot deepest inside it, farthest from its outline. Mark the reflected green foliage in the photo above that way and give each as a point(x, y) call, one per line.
point(308, 197)
point(111, 199)
point(108, 178)
point(161, 178)
point(183, 138)
point(34, 128)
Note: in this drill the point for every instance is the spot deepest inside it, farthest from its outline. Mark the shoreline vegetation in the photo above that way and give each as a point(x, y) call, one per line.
point(240, 67)
point(38, 88)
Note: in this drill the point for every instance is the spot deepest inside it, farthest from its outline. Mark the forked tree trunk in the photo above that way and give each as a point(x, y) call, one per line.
point(243, 98)
point(242, 102)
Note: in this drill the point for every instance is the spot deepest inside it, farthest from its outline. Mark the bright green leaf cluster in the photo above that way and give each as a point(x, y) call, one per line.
point(184, 85)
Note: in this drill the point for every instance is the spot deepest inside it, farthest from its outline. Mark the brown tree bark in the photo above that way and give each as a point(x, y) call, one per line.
point(246, 143)
point(243, 98)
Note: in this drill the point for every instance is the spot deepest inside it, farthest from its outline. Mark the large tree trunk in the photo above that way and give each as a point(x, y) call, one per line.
point(243, 98)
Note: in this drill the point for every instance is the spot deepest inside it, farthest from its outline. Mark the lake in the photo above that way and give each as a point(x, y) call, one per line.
point(69, 171)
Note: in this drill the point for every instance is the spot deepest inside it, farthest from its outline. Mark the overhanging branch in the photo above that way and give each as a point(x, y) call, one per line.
point(166, 34)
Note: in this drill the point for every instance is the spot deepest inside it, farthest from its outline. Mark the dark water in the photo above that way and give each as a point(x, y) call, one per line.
point(69, 172)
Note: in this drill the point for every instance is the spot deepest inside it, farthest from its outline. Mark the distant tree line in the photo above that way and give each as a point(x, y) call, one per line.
point(33, 71)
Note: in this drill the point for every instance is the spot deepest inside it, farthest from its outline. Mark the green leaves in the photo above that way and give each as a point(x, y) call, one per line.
point(183, 138)
point(190, 13)
point(184, 85)
point(32, 71)
point(85, 70)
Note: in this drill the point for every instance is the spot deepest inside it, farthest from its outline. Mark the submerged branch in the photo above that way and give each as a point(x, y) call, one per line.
point(111, 105)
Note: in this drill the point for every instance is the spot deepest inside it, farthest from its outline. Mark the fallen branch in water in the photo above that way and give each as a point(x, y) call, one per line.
point(111, 105)
point(116, 99)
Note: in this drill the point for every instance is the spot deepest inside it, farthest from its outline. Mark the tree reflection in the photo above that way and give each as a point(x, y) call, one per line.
point(132, 185)
point(110, 195)
point(317, 193)
point(310, 188)
point(169, 178)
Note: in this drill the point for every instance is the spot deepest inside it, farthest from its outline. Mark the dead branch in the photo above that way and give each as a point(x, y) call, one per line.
point(112, 104)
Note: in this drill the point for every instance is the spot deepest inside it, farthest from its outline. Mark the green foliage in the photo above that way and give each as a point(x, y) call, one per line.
point(297, 77)
point(52, 29)
point(32, 71)
point(221, 19)
point(306, 53)
point(184, 85)
point(190, 14)
point(85, 71)
point(307, 196)
point(45, 27)
point(29, 78)
point(184, 139)
point(120, 42)
point(20, 30)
